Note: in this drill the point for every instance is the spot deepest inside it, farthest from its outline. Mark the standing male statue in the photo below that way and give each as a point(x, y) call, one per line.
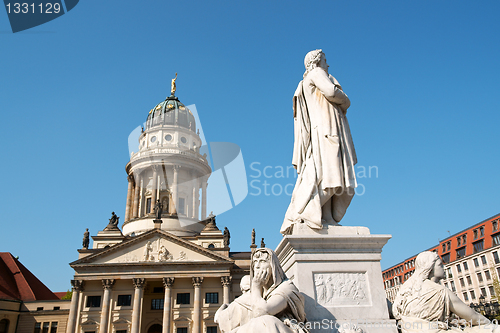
point(158, 209)
point(323, 151)
point(86, 239)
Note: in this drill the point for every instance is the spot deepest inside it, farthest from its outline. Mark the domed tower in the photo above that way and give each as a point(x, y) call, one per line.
point(168, 167)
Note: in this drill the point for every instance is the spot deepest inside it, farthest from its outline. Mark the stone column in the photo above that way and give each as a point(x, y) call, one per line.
point(203, 198)
point(130, 194)
point(195, 187)
point(73, 308)
point(154, 189)
point(107, 284)
point(226, 283)
point(175, 195)
point(167, 305)
point(137, 307)
point(197, 281)
point(137, 191)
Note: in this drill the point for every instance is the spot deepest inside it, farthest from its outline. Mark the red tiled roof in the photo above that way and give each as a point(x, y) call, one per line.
point(60, 294)
point(18, 283)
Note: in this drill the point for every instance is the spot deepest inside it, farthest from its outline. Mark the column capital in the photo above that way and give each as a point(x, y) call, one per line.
point(226, 280)
point(156, 167)
point(108, 283)
point(176, 167)
point(130, 178)
point(77, 285)
point(197, 281)
point(139, 282)
point(168, 282)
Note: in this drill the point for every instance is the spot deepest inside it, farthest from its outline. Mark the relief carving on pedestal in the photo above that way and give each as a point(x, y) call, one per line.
point(339, 289)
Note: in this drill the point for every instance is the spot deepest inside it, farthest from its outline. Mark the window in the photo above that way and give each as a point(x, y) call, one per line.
point(182, 330)
point(496, 239)
point(45, 327)
point(93, 301)
point(38, 327)
point(466, 298)
point(481, 232)
point(157, 304)
point(483, 292)
point(124, 300)
point(182, 203)
point(448, 273)
point(183, 298)
point(472, 294)
point(478, 246)
point(4, 325)
point(459, 268)
point(495, 256)
point(487, 274)
point(469, 280)
point(53, 327)
point(452, 284)
point(476, 262)
point(212, 298)
point(462, 283)
point(495, 225)
point(444, 247)
point(211, 329)
point(461, 252)
point(492, 291)
point(466, 267)
point(459, 241)
point(464, 239)
point(211, 246)
point(483, 260)
point(475, 234)
point(148, 205)
point(57, 308)
point(479, 277)
point(448, 245)
point(445, 258)
point(40, 308)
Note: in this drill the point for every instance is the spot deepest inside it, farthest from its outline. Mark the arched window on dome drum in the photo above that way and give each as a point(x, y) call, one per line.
point(168, 117)
point(183, 118)
point(4, 326)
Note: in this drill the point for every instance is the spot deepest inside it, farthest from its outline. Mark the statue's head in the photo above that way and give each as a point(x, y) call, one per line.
point(265, 259)
point(245, 284)
point(313, 59)
point(428, 264)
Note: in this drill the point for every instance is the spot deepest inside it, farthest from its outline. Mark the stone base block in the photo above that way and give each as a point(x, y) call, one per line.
point(338, 270)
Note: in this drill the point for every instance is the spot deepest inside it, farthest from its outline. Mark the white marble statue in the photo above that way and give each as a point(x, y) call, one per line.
point(273, 304)
point(423, 305)
point(245, 284)
point(323, 151)
point(147, 251)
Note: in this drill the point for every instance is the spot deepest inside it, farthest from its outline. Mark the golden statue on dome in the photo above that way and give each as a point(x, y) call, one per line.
point(172, 91)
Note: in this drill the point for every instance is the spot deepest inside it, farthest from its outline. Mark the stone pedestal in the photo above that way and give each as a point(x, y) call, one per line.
point(338, 270)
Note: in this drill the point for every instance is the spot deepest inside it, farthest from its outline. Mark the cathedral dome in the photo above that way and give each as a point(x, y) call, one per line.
point(171, 112)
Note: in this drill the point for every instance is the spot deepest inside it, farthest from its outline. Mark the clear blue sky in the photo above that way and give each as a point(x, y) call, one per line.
point(422, 77)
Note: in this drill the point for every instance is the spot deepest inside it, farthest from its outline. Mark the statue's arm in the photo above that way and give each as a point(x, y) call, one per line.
point(463, 311)
point(331, 92)
point(274, 305)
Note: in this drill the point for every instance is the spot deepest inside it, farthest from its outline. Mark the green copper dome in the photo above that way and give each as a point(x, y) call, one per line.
point(171, 112)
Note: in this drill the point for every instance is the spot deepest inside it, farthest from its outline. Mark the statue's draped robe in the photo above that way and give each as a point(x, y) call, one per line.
point(323, 153)
point(428, 311)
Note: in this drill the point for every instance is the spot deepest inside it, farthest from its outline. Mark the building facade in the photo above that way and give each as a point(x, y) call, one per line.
point(471, 261)
point(170, 267)
point(26, 304)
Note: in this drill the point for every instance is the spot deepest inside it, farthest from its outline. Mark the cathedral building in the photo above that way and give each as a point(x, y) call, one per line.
point(169, 268)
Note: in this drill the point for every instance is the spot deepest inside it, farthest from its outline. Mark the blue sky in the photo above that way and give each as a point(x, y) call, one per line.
point(422, 78)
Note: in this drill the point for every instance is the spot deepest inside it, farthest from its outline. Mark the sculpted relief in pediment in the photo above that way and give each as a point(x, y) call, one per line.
point(153, 250)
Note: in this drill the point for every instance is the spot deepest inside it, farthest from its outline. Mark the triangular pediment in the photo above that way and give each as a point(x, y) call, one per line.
point(153, 247)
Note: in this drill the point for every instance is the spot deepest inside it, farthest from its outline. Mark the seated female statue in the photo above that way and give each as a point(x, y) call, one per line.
point(423, 305)
point(273, 304)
